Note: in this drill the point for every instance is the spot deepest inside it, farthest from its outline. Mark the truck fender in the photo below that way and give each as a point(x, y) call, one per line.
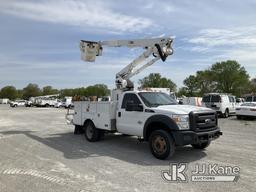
point(87, 121)
point(164, 120)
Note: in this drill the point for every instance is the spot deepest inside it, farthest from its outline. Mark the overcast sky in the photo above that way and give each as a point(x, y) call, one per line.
point(39, 39)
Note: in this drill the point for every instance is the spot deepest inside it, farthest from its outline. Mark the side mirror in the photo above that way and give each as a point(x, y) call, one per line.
point(134, 107)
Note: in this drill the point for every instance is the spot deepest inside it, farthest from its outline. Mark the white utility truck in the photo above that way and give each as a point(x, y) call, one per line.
point(149, 115)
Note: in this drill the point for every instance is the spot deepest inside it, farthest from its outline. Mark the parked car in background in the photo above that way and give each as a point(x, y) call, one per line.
point(28, 104)
point(240, 100)
point(246, 110)
point(250, 99)
point(104, 98)
point(18, 103)
point(58, 103)
point(67, 102)
point(224, 104)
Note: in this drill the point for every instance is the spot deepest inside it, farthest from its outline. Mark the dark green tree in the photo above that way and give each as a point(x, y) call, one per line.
point(205, 82)
point(230, 77)
point(31, 90)
point(191, 84)
point(48, 90)
point(155, 80)
point(9, 92)
point(226, 77)
point(66, 92)
point(183, 91)
point(98, 90)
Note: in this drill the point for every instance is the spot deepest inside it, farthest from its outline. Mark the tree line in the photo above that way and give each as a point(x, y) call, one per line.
point(33, 90)
point(225, 77)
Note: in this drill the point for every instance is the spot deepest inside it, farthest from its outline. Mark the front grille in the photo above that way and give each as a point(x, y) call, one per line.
point(203, 121)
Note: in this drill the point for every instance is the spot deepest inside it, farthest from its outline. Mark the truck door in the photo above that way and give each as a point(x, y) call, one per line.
point(234, 104)
point(231, 104)
point(130, 122)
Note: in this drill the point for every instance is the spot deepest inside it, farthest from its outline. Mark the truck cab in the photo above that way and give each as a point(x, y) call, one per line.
point(152, 116)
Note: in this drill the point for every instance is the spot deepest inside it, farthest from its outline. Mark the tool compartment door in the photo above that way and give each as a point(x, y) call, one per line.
point(105, 116)
point(77, 119)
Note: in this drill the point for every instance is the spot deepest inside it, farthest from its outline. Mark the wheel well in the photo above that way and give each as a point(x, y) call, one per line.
point(155, 126)
point(87, 121)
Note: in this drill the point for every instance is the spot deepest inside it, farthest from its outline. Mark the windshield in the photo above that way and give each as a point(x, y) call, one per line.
point(250, 99)
point(211, 98)
point(154, 99)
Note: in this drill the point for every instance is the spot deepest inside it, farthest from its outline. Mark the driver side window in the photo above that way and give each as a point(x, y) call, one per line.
point(130, 98)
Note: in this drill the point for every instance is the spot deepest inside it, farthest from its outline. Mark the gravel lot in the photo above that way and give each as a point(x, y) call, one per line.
point(38, 152)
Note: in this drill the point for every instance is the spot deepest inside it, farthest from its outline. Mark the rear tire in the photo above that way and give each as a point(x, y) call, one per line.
point(91, 133)
point(201, 145)
point(161, 144)
point(226, 113)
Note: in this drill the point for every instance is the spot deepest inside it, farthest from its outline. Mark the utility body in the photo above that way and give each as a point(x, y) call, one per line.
point(150, 115)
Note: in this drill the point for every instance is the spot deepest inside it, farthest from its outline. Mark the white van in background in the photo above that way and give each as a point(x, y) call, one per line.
point(224, 104)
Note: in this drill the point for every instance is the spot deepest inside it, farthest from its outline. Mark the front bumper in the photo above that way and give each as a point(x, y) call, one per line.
point(191, 137)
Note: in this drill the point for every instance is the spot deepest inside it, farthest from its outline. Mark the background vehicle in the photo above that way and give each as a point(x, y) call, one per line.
point(67, 102)
point(240, 100)
point(250, 99)
point(246, 110)
point(28, 103)
point(151, 116)
point(224, 104)
point(58, 103)
point(196, 101)
point(105, 98)
point(45, 101)
point(18, 103)
point(4, 101)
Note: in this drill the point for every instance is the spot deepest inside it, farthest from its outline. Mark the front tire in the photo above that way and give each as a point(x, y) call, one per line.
point(91, 133)
point(161, 144)
point(201, 145)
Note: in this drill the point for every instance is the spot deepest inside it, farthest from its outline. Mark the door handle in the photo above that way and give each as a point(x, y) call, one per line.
point(119, 114)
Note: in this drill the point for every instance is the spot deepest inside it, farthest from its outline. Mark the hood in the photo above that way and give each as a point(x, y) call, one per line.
point(179, 109)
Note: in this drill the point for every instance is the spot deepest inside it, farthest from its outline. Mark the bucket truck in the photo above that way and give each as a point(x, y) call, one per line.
point(151, 116)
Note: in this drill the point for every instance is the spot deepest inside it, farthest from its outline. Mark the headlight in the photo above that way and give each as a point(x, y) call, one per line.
point(181, 120)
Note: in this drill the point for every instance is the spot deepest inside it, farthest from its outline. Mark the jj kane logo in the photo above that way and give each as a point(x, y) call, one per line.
point(201, 173)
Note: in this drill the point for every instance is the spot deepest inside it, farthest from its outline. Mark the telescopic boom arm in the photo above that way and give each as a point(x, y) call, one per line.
point(160, 48)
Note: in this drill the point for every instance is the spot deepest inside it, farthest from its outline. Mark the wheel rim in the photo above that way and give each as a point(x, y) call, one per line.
point(226, 113)
point(159, 145)
point(89, 131)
